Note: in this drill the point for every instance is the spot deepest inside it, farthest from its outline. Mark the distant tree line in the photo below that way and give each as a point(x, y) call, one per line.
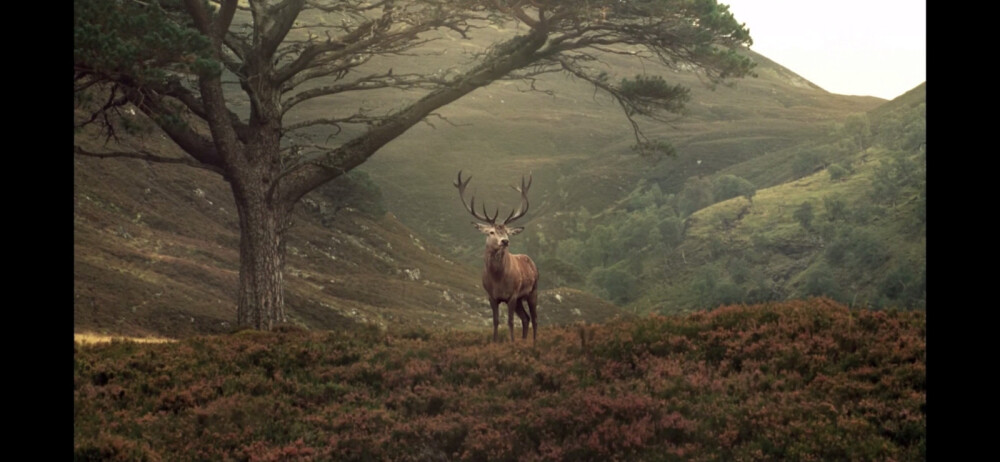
point(859, 234)
point(605, 256)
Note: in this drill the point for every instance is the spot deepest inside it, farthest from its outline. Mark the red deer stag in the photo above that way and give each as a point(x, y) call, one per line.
point(508, 278)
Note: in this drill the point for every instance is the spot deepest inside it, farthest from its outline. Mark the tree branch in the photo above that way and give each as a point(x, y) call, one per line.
point(176, 90)
point(370, 37)
point(520, 52)
point(196, 145)
point(226, 12)
point(275, 24)
point(337, 71)
point(516, 11)
point(370, 82)
point(348, 44)
point(199, 14)
point(237, 45)
point(335, 122)
point(148, 156)
point(627, 108)
point(111, 103)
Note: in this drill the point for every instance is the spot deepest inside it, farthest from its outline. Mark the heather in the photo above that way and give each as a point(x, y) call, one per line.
point(795, 380)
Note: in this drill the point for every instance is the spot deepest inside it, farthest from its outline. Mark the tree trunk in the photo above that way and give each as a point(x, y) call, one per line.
point(263, 223)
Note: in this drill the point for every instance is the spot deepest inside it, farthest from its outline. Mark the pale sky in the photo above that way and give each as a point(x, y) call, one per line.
point(851, 47)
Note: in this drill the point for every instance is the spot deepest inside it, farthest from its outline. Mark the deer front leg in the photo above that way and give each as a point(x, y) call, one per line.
point(495, 305)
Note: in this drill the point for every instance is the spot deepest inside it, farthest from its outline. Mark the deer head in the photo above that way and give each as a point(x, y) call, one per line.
point(497, 234)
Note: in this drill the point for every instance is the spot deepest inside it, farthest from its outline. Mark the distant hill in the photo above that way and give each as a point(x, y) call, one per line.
point(577, 144)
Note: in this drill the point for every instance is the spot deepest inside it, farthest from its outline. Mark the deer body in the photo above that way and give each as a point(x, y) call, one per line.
point(511, 279)
point(507, 277)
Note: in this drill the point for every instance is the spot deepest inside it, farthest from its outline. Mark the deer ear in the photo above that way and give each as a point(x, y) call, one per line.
point(481, 227)
point(515, 231)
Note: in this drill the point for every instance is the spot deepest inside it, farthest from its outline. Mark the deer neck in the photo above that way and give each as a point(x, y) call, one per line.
point(496, 260)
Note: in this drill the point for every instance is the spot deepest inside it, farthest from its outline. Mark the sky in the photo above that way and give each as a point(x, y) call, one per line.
point(851, 47)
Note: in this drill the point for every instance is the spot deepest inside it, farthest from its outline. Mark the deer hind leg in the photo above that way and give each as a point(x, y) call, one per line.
point(525, 320)
point(495, 305)
point(532, 303)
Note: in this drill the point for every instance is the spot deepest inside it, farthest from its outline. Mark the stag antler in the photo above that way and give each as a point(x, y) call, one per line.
point(524, 201)
point(471, 207)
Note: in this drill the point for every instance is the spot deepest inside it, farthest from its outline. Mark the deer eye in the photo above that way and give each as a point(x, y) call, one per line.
point(492, 233)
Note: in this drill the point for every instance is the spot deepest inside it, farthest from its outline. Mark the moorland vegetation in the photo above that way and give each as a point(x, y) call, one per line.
point(797, 380)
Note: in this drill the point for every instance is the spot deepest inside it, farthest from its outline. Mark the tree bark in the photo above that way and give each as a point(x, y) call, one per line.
point(264, 220)
point(263, 224)
point(254, 173)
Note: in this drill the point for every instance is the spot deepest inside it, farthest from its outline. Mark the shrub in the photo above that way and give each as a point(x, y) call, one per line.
point(615, 282)
point(836, 208)
point(905, 284)
point(859, 248)
point(730, 186)
point(806, 162)
point(696, 195)
point(867, 250)
point(804, 215)
point(838, 172)
point(819, 281)
point(672, 231)
point(354, 189)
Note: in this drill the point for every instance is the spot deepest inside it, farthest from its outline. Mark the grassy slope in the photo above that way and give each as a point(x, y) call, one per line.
point(786, 381)
point(156, 254)
point(771, 214)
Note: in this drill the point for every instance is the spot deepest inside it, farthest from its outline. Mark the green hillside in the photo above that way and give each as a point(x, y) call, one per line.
point(841, 215)
point(578, 146)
